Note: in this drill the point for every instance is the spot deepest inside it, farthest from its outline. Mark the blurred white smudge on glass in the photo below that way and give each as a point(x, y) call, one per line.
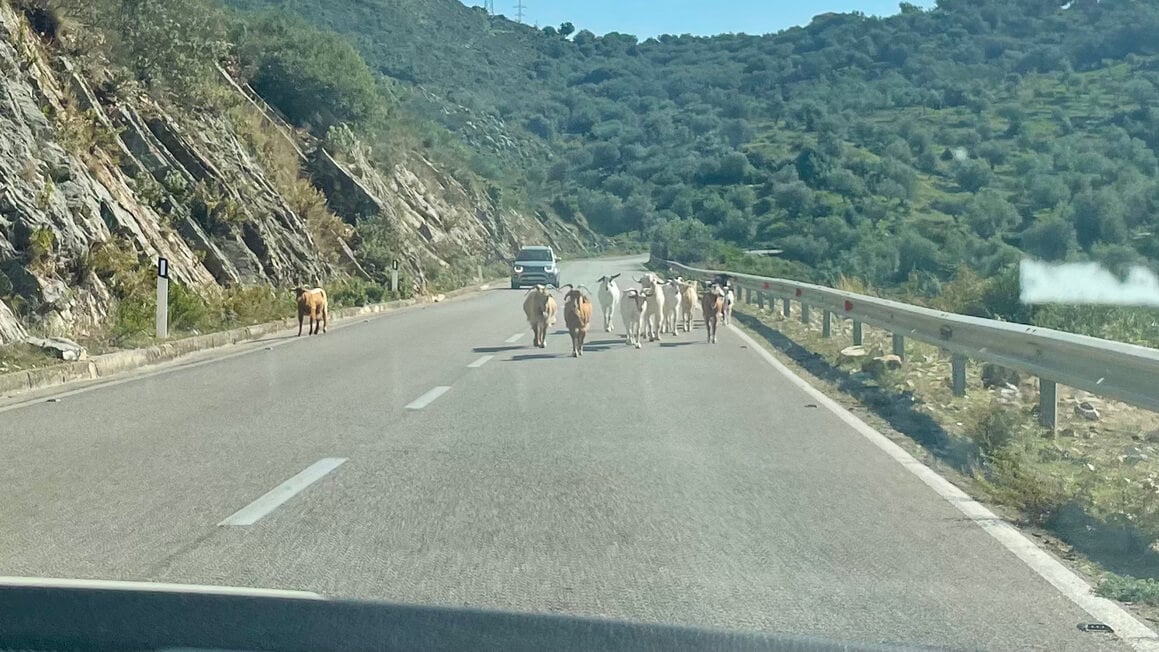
point(1086, 283)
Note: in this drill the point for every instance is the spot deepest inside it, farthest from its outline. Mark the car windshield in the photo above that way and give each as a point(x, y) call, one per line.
point(534, 255)
point(834, 318)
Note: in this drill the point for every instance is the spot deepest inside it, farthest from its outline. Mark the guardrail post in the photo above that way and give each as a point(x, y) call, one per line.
point(760, 301)
point(1047, 403)
point(899, 345)
point(788, 312)
point(748, 295)
point(958, 374)
point(856, 333)
point(827, 324)
point(804, 313)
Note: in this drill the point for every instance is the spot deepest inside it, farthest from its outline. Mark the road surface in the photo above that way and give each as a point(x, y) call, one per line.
point(431, 455)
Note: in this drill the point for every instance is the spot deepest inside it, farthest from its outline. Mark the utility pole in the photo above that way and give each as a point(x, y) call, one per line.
point(519, 7)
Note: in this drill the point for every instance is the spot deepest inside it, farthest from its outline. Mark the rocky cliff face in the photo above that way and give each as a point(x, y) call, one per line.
point(81, 165)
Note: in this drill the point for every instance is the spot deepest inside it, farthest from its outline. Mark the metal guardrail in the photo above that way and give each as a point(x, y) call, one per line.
point(1124, 372)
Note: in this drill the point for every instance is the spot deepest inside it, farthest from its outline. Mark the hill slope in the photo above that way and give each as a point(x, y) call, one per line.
point(871, 147)
point(129, 135)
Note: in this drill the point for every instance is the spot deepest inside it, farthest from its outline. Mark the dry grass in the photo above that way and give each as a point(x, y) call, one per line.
point(280, 159)
point(20, 357)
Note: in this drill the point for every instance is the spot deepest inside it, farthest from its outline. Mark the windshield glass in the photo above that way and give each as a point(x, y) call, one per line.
point(836, 318)
point(534, 255)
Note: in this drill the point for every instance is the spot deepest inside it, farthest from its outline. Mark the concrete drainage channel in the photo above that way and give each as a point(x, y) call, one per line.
point(110, 364)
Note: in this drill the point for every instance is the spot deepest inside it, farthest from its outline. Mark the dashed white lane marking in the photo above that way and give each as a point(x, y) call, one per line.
point(428, 398)
point(514, 338)
point(480, 362)
point(1075, 588)
point(254, 511)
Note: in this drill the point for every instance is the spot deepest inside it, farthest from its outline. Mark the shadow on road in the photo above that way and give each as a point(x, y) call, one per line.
point(283, 338)
point(496, 349)
point(1120, 547)
point(669, 345)
point(537, 356)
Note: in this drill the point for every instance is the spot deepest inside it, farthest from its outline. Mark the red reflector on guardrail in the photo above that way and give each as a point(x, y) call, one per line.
point(798, 292)
point(766, 285)
point(848, 306)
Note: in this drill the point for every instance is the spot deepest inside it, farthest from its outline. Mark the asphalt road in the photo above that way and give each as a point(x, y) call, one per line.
point(683, 483)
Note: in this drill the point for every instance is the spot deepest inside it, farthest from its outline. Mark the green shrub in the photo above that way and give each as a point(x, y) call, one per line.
point(1130, 589)
point(188, 311)
point(993, 427)
point(245, 306)
point(357, 292)
point(135, 318)
point(1014, 479)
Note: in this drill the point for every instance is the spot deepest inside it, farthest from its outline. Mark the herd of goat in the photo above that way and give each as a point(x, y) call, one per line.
point(656, 307)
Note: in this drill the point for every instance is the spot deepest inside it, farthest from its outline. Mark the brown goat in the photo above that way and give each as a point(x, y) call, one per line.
point(539, 307)
point(312, 303)
point(577, 315)
point(712, 303)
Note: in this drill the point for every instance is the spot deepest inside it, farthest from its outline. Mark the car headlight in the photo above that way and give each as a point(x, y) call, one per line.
point(518, 269)
point(549, 269)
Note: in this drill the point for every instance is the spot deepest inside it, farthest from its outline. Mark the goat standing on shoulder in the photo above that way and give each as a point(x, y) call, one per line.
point(609, 298)
point(577, 315)
point(712, 303)
point(539, 307)
point(312, 302)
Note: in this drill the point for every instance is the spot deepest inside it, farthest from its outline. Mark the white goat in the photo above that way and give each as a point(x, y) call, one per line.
point(609, 294)
point(632, 312)
point(671, 305)
point(688, 300)
point(729, 299)
point(654, 310)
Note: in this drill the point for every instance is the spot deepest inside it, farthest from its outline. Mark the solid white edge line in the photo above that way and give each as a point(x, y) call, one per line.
point(62, 583)
point(428, 398)
point(1127, 627)
point(274, 498)
point(514, 338)
point(480, 362)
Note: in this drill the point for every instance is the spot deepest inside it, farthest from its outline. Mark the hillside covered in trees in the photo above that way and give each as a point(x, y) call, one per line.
point(890, 150)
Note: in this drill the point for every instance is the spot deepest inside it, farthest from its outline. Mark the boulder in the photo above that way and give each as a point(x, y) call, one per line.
point(1087, 411)
point(997, 376)
point(63, 348)
point(851, 353)
point(890, 361)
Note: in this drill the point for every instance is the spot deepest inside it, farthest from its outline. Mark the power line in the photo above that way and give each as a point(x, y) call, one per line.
point(519, 7)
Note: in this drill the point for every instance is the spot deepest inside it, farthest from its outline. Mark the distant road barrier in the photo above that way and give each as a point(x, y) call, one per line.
point(1124, 372)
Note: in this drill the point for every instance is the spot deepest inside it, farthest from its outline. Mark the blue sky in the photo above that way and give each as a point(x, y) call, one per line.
point(646, 18)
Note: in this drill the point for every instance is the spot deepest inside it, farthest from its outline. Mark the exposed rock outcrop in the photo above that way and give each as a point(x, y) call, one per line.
point(80, 167)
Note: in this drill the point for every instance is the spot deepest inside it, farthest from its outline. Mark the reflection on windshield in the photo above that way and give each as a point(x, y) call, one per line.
point(534, 255)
